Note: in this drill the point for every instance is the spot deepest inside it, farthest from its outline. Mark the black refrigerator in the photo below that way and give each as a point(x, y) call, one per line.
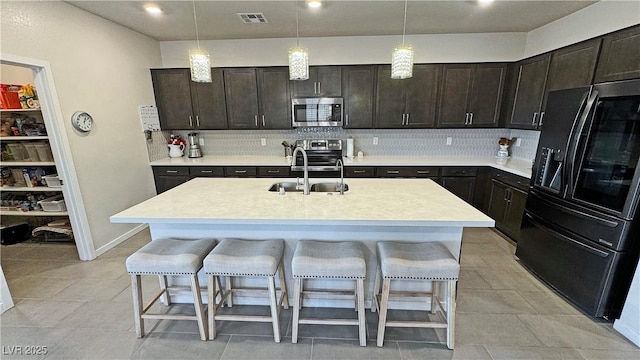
point(580, 232)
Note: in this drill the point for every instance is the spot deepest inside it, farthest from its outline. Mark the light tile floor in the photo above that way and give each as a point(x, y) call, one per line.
point(82, 310)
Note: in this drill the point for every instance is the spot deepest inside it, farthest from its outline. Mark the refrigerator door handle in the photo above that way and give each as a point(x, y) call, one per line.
point(574, 139)
point(607, 223)
point(581, 244)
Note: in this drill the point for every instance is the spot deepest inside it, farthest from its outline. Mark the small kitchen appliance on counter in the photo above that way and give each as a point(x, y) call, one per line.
point(194, 147)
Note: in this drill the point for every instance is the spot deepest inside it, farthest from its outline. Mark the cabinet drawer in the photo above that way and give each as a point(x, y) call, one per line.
point(511, 179)
point(279, 171)
point(240, 171)
point(171, 170)
point(408, 172)
point(459, 171)
point(364, 172)
point(206, 171)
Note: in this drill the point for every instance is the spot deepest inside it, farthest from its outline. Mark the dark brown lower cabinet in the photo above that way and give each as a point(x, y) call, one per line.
point(461, 181)
point(506, 207)
point(167, 177)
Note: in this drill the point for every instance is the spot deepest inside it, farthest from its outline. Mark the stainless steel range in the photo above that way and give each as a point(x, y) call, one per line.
point(322, 155)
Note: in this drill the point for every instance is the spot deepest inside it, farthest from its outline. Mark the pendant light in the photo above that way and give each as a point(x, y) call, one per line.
point(298, 58)
point(402, 58)
point(199, 59)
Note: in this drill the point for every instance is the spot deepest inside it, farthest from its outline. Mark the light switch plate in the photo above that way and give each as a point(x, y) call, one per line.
point(449, 140)
point(263, 141)
point(518, 142)
point(375, 140)
point(201, 141)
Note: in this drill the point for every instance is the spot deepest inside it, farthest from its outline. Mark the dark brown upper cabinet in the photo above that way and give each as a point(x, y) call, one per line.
point(470, 95)
point(530, 76)
point(573, 66)
point(323, 81)
point(183, 104)
point(358, 90)
point(407, 103)
point(620, 56)
point(258, 98)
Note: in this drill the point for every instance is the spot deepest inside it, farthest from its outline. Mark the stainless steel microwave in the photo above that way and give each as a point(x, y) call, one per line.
point(316, 112)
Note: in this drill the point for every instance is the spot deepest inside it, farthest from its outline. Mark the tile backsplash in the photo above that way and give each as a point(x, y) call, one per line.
point(391, 142)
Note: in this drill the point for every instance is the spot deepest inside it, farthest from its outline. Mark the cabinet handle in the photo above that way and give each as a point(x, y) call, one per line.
point(263, 124)
point(359, 171)
point(466, 118)
point(407, 119)
point(535, 118)
point(255, 117)
point(403, 119)
point(198, 120)
point(190, 121)
point(273, 171)
point(471, 119)
point(423, 172)
point(346, 119)
point(541, 117)
point(319, 92)
point(171, 171)
point(315, 87)
point(240, 171)
point(393, 172)
point(206, 171)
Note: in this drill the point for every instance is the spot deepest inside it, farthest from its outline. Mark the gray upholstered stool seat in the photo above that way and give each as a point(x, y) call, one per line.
point(164, 257)
point(335, 260)
point(246, 258)
point(429, 261)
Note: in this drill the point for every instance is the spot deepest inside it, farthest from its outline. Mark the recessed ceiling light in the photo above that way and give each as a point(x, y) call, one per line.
point(314, 3)
point(153, 9)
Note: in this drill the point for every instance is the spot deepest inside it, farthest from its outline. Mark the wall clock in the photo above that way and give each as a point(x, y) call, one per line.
point(82, 121)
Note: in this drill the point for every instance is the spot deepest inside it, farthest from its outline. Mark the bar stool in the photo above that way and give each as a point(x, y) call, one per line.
point(330, 260)
point(162, 257)
point(245, 258)
point(417, 261)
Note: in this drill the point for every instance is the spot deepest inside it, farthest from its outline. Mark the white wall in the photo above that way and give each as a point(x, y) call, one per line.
point(101, 68)
point(352, 50)
point(600, 18)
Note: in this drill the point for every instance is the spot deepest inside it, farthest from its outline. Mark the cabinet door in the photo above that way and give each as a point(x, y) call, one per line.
point(329, 80)
point(241, 90)
point(209, 103)
point(389, 100)
point(172, 91)
point(358, 83)
point(486, 95)
point(275, 99)
point(422, 96)
point(498, 203)
point(462, 187)
point(515, 212)
point(573, 66)
point(454, 95)
point(164, 183)
point(532, 75)
point(301, 88)
point(620, 56)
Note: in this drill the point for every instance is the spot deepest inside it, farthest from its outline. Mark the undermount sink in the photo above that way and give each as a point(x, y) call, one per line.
point(317, 187)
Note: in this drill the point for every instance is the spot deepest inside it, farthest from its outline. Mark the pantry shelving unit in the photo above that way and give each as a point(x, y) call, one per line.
point(35, 216)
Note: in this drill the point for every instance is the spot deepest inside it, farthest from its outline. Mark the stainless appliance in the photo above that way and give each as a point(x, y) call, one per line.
point(322, 156)
point(194, 146)
point(316, 112)
point(580, 229)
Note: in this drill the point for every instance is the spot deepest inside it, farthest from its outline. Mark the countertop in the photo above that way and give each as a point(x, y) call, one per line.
point(515, 166)
point(380, 202)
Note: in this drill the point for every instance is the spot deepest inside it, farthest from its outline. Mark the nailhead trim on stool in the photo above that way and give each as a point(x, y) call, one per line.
point(250, 258)
point(164, 257)
point(336, 260)
point(430, 261)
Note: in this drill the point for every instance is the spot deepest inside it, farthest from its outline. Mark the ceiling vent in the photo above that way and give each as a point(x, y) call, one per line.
point(253, 18)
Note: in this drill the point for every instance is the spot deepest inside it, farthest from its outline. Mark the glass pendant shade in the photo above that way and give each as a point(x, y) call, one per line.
point(402, 62)
point(200, 65)
point(298, 64)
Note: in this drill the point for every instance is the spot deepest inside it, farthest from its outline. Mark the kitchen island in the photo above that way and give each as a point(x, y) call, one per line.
point(371, 210)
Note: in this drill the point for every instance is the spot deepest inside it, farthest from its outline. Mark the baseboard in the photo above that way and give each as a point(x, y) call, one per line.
point(120, 239)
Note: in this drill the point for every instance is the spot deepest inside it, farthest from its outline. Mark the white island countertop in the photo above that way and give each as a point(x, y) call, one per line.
point(392, 202)
point(515, 166)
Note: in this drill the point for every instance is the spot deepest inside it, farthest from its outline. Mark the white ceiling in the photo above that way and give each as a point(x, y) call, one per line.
point(218, 20)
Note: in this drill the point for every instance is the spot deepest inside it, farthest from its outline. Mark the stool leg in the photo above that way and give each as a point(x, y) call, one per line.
point(227, 283)
point(376, 290)
point(136, 287)
point(451, 313)
point(218, 291)
point(297, 287)
point(274, 308)
point(362, 327)
point(435, 286)
point(382, 317)
point(283, 287)
point(163, 286)
point(211, 307)
point(197, 302)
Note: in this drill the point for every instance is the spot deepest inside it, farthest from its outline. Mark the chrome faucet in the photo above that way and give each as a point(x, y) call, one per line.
point(305, 190)
point(341, 164)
